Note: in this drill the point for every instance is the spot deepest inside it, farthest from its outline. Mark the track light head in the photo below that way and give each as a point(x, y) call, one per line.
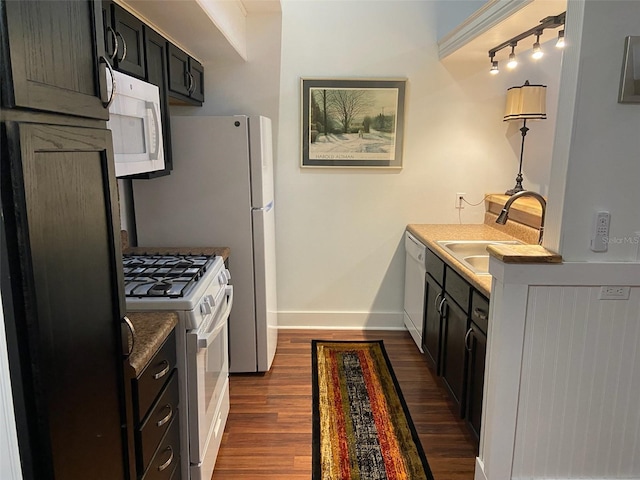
point(560, 42)
point(494, 68)
point(513, 61)
point(537, 50)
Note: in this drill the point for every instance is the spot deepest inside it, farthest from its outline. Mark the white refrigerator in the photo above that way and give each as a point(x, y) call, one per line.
point(220, 193)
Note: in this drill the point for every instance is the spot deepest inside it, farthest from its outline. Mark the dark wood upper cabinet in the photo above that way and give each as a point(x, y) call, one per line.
point(157, 74)
point(59, 196)
point(51, 57)
point(186, 77)
point(130, 54)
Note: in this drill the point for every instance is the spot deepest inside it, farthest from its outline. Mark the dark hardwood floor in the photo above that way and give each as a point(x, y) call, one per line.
point(268, 433)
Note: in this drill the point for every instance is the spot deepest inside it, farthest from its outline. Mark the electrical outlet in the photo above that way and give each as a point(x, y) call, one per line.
point(459, 202)
point(612, 292)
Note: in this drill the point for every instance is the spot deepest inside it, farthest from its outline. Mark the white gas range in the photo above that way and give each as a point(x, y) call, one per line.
point(197, 287)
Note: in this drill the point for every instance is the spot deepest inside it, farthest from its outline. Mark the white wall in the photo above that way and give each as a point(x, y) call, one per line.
point(236, 87)
point(340, 231)
point(9, 453)
point(599, 147)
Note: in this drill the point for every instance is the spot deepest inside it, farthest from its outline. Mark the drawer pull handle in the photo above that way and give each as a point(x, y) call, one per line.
point(168, 462)
point(163, 372)
point(167, 418)
point(481, 314)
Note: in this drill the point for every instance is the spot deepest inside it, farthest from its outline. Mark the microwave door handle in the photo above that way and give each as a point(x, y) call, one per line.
point(156, 125)
point(205, 340)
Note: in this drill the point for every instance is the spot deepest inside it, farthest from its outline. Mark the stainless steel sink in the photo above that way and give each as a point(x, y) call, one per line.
point(473, 253)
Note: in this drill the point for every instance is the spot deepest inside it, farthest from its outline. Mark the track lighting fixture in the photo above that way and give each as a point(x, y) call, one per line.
point(537, 31)
point(537, 50)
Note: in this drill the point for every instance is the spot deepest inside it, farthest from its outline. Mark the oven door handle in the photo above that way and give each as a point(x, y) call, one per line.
point(205, 340)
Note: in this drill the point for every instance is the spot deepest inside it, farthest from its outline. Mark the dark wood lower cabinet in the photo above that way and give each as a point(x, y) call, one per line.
point(453, 350)
point(476, 342)
point(454, 337)
point(432, 322)
point(155, 405)
point(59, 199)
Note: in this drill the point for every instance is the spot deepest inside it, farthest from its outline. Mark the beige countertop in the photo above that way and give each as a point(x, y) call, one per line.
point(223, 252)
point(430, 234)
point(152, 329)
point(219, 251)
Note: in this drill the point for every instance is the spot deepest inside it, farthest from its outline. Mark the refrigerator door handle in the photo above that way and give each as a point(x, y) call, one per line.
point(266, 208)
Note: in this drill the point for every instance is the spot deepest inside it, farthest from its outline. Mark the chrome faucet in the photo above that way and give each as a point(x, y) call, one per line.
point(504, 214)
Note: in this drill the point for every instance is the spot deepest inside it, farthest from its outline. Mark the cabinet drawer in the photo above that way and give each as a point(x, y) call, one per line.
point(458, 289)
point(148, 385)
point(435, 267)
point(167, 456)
point(480, 311)
point(158, 421)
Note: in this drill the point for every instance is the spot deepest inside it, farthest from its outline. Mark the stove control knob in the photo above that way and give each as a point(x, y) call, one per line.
point(205, 308)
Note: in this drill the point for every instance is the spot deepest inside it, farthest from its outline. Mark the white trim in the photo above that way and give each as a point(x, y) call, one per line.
point(566, 119)
point(489, 15)
point(9, 452)
point(341, 320)
point(567, 273)
point(479, 473)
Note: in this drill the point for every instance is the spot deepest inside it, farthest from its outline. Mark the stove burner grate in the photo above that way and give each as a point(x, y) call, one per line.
point(163, 275)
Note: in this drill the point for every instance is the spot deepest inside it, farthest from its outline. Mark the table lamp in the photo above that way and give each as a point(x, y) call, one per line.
point(525, 102)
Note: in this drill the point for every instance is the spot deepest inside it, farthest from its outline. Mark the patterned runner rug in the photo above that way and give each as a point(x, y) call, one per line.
point(361, 425)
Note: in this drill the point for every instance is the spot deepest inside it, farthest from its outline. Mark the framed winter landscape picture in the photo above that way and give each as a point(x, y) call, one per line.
point(352, 122)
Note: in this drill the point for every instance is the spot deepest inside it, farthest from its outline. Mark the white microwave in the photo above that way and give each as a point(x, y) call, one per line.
point(135, 124)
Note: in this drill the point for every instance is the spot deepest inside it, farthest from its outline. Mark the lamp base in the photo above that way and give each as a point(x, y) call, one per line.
point(518, 187)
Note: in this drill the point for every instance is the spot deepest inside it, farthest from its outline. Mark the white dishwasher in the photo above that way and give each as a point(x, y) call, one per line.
point(414, 278)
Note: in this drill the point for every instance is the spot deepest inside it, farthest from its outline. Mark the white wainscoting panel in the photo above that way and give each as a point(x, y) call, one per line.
point(579, 403)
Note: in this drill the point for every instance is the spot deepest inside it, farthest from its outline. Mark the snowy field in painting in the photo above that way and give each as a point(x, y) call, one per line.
point(374, 145)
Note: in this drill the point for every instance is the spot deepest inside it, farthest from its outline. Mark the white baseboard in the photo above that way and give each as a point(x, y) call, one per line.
point(479, 473)
point(341, 320)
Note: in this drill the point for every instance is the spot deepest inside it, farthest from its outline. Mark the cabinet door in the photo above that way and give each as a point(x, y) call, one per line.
point(130, 55)
point(157, 74)
point(197, 76)
point(477, 348)
point(53, 57)
point(453, 349)
point(432, 322)
point(60, 209)
point(178, 71)
point(186, 77)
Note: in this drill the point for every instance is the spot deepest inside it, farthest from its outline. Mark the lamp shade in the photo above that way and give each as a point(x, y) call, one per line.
point(526, 102)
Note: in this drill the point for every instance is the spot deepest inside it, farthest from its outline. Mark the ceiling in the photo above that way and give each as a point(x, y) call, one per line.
point(188, 24)
point(475, 37)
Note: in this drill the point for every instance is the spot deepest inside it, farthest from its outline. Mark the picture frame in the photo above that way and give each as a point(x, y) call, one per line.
point(352, 123)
